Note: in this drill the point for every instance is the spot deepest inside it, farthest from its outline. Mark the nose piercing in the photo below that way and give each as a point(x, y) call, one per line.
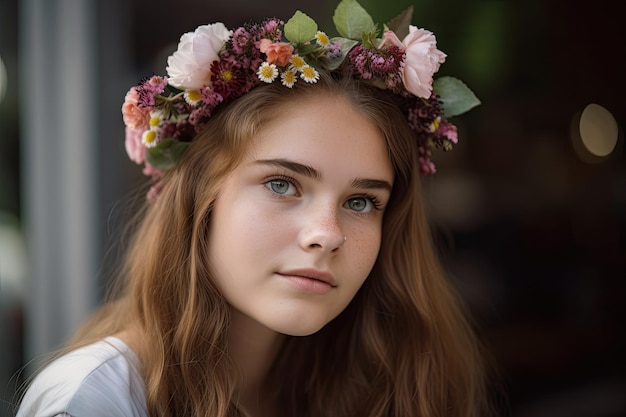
point(345, 238)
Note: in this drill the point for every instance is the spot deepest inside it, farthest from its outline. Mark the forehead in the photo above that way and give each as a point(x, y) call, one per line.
point(324, 131)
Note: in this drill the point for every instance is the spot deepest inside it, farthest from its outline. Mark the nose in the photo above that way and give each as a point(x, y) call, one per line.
point(322, 231)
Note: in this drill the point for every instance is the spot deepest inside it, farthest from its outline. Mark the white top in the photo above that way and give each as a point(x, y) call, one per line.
point(98, 380)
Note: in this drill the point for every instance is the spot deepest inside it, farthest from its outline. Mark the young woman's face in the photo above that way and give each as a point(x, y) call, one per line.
point(297, 226)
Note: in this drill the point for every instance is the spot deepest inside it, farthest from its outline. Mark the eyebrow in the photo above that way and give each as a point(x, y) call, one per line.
point(309, 171)
point(302, 169)
point(367, 183)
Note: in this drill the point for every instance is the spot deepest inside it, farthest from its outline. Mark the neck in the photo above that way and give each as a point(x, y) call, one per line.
point(253, 348)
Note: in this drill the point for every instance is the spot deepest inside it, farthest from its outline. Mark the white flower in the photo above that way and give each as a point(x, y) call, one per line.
point(289, 78)
point(267, 72)
point(322, 39)
point(422, 61)
point(309, 74)
point(150, 138)
point(192, 97)
point(190, 66)
point(156, 118)
point(297, 62)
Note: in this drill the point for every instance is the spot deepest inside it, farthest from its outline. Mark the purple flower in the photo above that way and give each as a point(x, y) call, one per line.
point(383, 65)
point(427, 167)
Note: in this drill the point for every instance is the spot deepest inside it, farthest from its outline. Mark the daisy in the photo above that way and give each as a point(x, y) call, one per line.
point(322, 39)
point(297, 62)
point(149, 138)
point(156, 118)
point(192, 97)
point(309, 74)
point(267, 72)
point(289, 78)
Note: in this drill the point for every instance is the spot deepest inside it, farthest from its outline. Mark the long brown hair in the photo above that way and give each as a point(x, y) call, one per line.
point(403, 347)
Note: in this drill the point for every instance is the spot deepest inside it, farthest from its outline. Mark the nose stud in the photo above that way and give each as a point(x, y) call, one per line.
point(345, 238)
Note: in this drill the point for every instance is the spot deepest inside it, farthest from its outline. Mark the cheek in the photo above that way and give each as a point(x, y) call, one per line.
point(259, 225)
point(365, 248)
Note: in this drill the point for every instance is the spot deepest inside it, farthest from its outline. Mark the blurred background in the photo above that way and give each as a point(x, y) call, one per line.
point(529, 210)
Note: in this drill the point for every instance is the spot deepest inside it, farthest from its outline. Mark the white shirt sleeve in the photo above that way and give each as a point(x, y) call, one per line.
point(98, 380)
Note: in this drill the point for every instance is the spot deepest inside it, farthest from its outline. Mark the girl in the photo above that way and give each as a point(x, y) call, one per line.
point(283, 265)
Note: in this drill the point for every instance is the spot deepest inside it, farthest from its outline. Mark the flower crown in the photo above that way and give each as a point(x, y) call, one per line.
point(214, 65)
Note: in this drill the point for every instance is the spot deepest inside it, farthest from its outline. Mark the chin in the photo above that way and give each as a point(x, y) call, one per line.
point(299, 328)
point(301, 333)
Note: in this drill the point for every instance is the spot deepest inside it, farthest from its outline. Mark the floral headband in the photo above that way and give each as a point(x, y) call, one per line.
point(214, 65)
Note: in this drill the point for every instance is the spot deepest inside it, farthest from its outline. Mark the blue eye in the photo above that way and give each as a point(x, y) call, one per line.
point(281, 187)
point(360, 204)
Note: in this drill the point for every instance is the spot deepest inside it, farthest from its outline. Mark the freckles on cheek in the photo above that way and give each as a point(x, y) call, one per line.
point(365, 249)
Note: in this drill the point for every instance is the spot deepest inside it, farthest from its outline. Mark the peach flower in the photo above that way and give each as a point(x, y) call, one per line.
point(277, 53)
point(391, 39)
point(135, 117)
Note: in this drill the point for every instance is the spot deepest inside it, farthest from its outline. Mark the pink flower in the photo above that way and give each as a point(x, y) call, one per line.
point(422, 61)
point(135, 149)
point(277, 53)
point(449, 131)
point(390, 39)
point(150, 171)
point(154, 192)
point(427, 167)
point(135, 117)
point(190, 66)
point(157, 84)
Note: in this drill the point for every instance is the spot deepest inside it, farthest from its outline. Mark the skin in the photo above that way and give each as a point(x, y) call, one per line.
point(296, 228)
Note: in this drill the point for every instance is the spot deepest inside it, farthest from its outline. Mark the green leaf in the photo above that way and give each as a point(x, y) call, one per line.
point(352, 20)
point(305, 50)
point(166, 154)
point(456, 97)
point(346, 46)
point(300, 28)
point(400, 24)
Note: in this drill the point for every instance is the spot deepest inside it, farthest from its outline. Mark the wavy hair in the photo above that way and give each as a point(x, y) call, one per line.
point(403, 346)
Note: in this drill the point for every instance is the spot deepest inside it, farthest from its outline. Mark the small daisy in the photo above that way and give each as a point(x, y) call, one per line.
point(267, 72)
point(156, 118)
point(322, 39)
point(192, 97)
point(149, 138)
point(297, 62)
point(288, 78)
point(309, 74)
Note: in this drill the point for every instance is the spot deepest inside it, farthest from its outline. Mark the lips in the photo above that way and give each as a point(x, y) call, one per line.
point(313, 274)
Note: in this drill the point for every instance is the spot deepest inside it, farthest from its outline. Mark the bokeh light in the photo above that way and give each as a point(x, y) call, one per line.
point(595, 133)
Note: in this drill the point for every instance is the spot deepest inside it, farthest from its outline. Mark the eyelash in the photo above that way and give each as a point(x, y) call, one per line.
point(282, 177)
point(376, 203)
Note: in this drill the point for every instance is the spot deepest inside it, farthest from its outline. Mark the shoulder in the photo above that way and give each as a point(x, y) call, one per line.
point(101, 379)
